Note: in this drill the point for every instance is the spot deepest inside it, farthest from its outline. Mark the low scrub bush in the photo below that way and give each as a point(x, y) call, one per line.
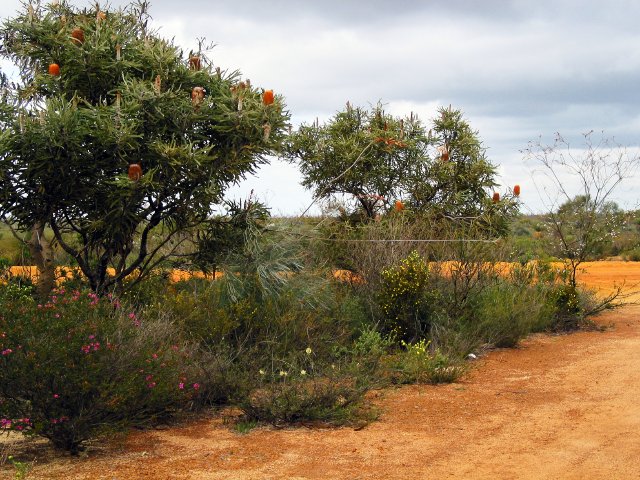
point(406, 299)
point(418, 363)
point(368, 350)
point(305, 309)
point(575, 307)
point(505, 313)
point(300, 389)
point(468, 304)
point(246, 328)
point(79, 364)
point(329, 400)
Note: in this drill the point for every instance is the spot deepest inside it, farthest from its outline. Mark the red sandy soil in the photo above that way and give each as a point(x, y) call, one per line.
point(564, 406)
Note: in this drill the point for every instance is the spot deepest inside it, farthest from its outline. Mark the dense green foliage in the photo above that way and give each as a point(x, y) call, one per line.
point(403, 297)
point(376, 159)
point(294, 347)
point(123, 96)
point(78, 365)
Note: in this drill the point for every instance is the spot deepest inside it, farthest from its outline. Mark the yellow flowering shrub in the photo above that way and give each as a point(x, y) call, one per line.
point(405, 298)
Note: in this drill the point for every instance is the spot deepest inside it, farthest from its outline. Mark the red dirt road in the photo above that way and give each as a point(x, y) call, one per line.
point(557, 407)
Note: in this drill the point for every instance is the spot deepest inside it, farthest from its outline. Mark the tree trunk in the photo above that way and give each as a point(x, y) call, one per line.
point(42, 254)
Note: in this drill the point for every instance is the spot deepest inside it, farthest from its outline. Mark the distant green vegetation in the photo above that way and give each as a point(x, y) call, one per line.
point(530, 237)
point(10, 248)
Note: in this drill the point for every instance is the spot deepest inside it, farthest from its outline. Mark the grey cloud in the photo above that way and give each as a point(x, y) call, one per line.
point(517, 68)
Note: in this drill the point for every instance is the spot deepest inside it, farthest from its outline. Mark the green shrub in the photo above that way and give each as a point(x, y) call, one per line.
point(575, 306)
point(505, 313)
point(405, 299)
point(499, 310)
point(369, 348)
point(254, 328)
point(205, 316)
point(416, 363)
point(307, 310)
point(632, 255)
point(79, 365)
point(271, 352)
point(301, 390)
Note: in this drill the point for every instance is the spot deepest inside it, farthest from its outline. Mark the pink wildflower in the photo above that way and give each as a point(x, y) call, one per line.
point(94, 298)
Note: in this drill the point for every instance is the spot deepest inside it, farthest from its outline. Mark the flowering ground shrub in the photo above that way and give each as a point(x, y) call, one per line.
point(302, 389)
point(472, 303)
point(405, 299)
point(79, 364)
point(240, 335)
point(417, 363)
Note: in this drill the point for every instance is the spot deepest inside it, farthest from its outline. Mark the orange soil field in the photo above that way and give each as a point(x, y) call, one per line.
point(67, 272)
point(558, 407)
point(64, 273)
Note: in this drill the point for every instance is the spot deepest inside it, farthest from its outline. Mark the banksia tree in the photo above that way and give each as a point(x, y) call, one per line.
point(456, 181)
point(375, 158)
point(361, 153)
point(114, 135)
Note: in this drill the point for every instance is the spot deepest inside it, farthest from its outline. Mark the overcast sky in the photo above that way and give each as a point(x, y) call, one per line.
point(518, 69)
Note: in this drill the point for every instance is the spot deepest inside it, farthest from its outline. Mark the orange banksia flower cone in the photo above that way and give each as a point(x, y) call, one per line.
point(267, 97)
point(135, 172)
